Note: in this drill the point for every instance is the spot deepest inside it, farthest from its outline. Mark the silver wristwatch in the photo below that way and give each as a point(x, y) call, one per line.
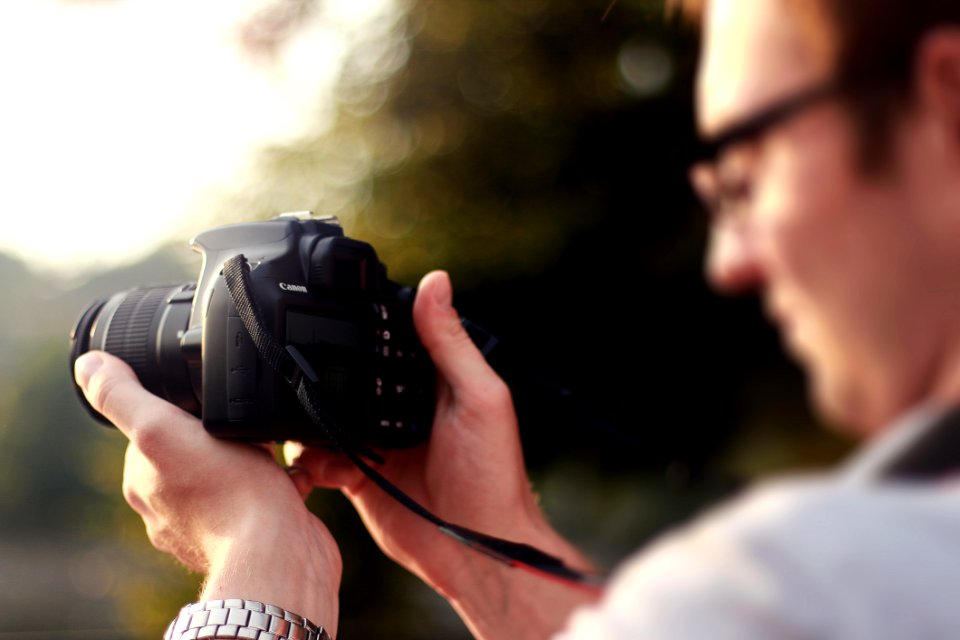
point(235, 618)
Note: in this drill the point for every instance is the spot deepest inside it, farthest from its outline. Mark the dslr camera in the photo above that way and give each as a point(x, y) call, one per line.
point(315, 289)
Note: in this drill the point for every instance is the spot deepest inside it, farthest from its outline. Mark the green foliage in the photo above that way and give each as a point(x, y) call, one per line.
point(466, 153)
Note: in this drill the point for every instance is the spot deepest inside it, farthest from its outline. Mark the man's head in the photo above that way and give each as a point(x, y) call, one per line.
point(842, 205)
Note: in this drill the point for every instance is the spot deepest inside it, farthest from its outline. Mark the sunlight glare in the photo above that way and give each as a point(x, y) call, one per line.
point(118, 116)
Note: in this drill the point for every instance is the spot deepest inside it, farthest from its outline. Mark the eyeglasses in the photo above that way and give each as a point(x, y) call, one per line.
point(722, 183)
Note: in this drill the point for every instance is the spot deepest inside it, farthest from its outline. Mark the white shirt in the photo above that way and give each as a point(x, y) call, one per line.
point(837, 556)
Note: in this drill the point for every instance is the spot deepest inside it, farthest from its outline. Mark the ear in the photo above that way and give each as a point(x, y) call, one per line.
point(937, 78)
point(935, 143)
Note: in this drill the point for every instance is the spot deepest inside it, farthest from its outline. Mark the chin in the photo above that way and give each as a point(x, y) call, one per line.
point(845, 408)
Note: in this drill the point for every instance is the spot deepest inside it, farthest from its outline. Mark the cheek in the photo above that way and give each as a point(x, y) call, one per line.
point(809, 253)
point(800, 222)
point(842, 262)
point(822, 224)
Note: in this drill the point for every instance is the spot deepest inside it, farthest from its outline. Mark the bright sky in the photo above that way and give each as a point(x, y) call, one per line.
point(116, 116)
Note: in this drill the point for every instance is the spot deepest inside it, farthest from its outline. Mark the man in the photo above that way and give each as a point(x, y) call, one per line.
point(834, 190)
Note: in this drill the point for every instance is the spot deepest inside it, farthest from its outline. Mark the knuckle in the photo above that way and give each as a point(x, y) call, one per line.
point(455, 333)
point(151, 438)
point(161, 434)
point(490, 397)
point(443, 332)
point(496, 391)
point(133, 497)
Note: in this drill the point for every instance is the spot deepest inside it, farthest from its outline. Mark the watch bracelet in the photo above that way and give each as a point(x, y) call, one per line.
point(243, 619)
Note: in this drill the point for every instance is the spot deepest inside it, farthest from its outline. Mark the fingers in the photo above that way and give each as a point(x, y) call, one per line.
point(438, 325)
point(112, 388)
point(325, 468)
point(158, 428)
point(301, 480)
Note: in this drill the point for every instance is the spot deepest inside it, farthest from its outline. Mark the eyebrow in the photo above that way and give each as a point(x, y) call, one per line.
point(753, 125)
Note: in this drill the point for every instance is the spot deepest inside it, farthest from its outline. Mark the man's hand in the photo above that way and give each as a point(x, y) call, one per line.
point(470, 473)
point(224, 509)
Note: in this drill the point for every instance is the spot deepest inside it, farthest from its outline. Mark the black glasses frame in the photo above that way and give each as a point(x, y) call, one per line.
point(754, 127)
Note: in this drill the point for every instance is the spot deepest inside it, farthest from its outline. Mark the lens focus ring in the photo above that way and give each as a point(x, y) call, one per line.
point(129, 335)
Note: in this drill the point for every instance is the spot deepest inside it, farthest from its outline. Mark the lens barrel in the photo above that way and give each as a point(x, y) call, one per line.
point(143, 327)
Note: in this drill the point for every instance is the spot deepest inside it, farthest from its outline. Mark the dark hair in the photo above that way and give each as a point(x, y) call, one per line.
point(872, 45)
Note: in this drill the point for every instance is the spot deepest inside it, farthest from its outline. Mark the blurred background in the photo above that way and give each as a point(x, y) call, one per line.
point(536, 149)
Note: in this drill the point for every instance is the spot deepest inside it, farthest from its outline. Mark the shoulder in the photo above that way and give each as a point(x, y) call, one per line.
point(811, 557)
point(824, 518)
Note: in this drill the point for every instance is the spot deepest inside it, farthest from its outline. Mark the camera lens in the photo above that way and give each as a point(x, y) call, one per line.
point(144, 327)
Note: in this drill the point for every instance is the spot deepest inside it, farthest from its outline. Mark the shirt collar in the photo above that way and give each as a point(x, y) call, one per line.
point(876, 460)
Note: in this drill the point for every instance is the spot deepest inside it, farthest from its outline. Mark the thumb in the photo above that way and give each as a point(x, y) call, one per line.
point(442, 334)
point(112, 388)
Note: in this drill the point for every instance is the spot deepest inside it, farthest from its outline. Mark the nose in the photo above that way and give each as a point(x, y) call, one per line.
point(732, 265)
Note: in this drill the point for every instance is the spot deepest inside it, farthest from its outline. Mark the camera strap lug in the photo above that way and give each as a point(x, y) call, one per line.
point(301, 368)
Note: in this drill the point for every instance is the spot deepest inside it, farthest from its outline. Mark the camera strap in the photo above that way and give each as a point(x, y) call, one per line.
point(288, 362)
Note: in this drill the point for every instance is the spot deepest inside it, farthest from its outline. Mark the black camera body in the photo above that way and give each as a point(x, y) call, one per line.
point(316, 289)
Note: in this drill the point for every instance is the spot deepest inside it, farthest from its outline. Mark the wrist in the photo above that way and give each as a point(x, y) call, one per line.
point(238, 618)
point(456, 578)
point(293, 565)
point(497, 600)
